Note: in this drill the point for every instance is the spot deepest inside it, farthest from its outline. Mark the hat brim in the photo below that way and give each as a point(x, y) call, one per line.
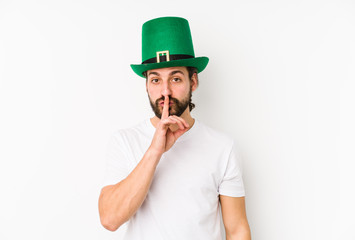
point(199, 62)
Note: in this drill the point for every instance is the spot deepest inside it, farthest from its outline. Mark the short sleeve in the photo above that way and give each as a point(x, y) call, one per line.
point(232, 183)
point(116, 160)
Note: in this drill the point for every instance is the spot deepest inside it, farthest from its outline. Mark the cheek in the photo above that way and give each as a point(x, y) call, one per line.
point(153, 93)
point(176, 91)
point(182, 91)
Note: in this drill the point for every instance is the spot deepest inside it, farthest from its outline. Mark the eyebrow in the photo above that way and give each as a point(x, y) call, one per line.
point(177, 71)
point(155, 73)
point(172, 73)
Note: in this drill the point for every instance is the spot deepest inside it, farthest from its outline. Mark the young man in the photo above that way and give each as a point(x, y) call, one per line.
point(168, 174)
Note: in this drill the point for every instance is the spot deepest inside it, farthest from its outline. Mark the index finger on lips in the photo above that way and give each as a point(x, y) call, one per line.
point(165, 113)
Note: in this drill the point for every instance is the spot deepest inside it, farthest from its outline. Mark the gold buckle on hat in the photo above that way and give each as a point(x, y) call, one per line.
point(166, 53)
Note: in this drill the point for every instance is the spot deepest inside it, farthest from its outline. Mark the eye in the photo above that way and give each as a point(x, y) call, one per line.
point(176, 79)
point(154, 80)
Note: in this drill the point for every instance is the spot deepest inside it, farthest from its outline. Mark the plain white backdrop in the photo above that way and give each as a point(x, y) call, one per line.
point(281, 80)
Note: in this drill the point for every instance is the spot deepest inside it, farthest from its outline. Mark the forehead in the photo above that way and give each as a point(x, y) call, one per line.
point(167, 71)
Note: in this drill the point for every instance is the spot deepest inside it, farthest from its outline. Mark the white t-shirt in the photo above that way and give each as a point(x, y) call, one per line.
point(183, 199)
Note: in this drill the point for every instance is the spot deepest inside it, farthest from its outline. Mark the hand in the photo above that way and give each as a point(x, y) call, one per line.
point(164, 138)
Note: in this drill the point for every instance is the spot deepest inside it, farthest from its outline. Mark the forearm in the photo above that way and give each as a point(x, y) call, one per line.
point(119, 202)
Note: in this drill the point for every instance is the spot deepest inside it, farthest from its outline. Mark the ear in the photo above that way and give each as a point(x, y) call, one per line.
point(194, 82)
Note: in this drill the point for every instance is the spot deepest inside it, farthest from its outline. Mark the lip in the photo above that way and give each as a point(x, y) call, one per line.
point(162, 103)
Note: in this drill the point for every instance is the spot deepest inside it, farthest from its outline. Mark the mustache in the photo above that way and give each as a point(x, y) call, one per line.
point(163, 98)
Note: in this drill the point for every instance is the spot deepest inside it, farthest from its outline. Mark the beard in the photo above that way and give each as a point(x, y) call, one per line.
point(177, 108)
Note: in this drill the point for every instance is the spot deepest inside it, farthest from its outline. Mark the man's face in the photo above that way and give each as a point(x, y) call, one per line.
point(173, 82)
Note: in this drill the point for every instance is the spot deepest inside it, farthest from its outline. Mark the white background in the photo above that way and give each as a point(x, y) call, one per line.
point(280, 80)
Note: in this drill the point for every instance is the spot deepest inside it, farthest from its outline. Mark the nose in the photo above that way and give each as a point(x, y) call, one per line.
point(166, 89)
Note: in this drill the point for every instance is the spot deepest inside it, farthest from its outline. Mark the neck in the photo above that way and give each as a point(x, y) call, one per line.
point(185, 115)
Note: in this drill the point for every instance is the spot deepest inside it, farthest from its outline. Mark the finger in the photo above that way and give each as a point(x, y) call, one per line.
point(182, 120)
point(179, 132)
point(168, 121)
point(165, 112)
point(178, 121)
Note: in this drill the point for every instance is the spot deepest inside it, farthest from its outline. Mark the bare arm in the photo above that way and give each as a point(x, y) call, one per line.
point(234, 218)
point(119, 202)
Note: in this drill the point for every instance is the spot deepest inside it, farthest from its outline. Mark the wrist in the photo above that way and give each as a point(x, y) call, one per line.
point(154, 153)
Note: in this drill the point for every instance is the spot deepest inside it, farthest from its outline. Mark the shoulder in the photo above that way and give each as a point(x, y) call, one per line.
point(215, 135)
point(135, 130)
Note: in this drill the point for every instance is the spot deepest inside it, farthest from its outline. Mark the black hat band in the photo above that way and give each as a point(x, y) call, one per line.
point(163, 58)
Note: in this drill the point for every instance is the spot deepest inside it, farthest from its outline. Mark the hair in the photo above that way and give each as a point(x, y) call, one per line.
point(191, 71)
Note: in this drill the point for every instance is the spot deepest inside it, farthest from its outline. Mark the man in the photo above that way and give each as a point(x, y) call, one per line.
point(168, 174)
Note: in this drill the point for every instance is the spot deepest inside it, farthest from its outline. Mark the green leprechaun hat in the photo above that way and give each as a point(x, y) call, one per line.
point(167, 42)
